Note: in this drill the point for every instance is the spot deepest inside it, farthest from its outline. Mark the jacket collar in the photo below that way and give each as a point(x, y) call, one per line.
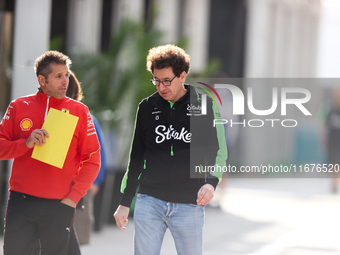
point(42, 98)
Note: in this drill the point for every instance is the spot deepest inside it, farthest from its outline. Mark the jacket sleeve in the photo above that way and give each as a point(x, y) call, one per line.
point(89, 151)
point(102, 171)
point(130, 180)
point(217, 152)
point(9, 147)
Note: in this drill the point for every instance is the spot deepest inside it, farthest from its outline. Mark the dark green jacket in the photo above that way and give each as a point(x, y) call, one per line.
point(170, 143)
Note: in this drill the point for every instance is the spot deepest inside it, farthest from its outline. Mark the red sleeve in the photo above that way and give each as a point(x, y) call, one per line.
point(89, 150)
point(9, 147)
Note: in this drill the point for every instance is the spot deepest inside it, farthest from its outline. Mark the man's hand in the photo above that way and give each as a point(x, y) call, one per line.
point(37, 137)
point(121, 215)
point(205, 194)
point(69, 202)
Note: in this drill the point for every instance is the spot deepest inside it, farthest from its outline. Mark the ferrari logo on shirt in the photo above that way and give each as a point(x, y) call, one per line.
point(65, 110)
point(26, 124)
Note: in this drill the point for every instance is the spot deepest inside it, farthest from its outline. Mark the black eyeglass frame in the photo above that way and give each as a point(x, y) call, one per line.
point(154, 82)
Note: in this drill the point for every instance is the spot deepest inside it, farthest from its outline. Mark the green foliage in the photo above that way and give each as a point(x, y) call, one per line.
point(119, 73)
point(213, 65)
point(57, 43)
point(118, 78)
point(115, 81)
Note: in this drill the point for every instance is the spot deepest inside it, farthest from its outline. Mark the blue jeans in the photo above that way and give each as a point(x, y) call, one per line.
point(153, 216)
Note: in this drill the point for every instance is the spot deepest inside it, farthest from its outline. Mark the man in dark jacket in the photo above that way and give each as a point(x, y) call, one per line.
point(171, 139)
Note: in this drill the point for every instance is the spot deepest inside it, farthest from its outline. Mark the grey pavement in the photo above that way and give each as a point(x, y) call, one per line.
point(256, 217)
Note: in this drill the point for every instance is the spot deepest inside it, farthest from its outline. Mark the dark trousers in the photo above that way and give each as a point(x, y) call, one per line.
point(73, 248)
point(30, 218)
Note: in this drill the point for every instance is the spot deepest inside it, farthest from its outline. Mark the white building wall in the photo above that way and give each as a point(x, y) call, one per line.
point(84, 25)
point(282, 39)
point(329, 50)
point(196, 29)
point(130, 9)
point(168, 19)
point(258, 38)
point(31, 39)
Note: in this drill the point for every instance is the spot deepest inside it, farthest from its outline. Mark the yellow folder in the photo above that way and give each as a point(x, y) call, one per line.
point(60, 126)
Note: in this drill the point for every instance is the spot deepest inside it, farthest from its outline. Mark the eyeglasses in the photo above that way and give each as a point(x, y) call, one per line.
point(165, 83)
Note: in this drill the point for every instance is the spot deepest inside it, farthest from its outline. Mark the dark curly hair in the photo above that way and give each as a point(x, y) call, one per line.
point(168, 55)
point(42, 65)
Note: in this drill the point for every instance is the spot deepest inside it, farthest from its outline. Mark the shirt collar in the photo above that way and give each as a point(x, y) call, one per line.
point(42, 98)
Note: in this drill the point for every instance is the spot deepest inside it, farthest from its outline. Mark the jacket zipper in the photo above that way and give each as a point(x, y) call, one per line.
point(172, 145)
point(172, 154)
point(48, 101)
